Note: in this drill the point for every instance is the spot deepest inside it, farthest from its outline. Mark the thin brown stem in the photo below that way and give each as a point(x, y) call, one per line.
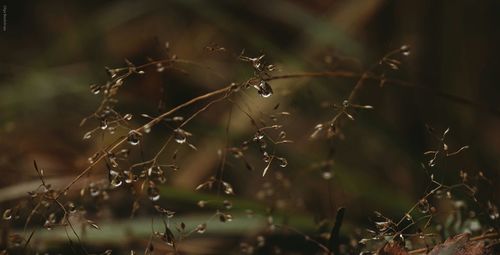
point(395, 82)
point(140, 129)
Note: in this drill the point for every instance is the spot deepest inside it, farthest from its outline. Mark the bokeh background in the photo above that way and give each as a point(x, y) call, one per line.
point(53, 50)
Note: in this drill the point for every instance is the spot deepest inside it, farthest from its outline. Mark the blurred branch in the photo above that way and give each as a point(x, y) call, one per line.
point(395, 82)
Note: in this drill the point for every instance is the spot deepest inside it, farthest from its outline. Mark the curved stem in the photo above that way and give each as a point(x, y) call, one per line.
point(140, 129)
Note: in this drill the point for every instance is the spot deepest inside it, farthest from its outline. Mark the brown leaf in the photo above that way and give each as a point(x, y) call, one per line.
point(461, 245)
point(392, 249)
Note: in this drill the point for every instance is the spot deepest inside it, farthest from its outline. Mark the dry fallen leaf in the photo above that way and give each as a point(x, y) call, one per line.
point(392, 249)
point(461, 245)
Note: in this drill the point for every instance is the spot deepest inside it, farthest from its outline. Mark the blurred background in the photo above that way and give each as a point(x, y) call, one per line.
point(53, 50)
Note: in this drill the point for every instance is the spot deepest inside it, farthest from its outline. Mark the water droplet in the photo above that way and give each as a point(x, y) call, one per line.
point(228, 189)
point(162, 179)
point(127, 116)
point(271, 68)
point(94, 191)
point(7, 214)
point(261, 241)
point(282, 135)
point(104, 124)
point(93, 158)
point(116, 182)
point(246, 248)
point(130, 177)
point(150, 171)
point(111, 72)
point(345, 103)
point(200, 229)
point(95, 89)
point(201, 203)
point(408, 217)
point(159, 67)
point(93, 224)
point(225, 217)
point(113, 162)
point(71, 207)
point(227, 204)
point(265, 157)
point(423, 206)
point(170, 214)
point(264, 89)
point(327, 175)
point(317, 129)
point(393, 66)
point(259, 135)
point(180, 136)
point(405, 50)
point(178, 119)
point(494, 215)
point(87, 135)
point(50, 221)
point(153, 193)
point(133, 137)
point(493, 211)
point(257, 65)
point(283, 162)
point(147, 128)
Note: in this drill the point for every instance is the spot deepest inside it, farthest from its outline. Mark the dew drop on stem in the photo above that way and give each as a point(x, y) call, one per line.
point(326, 175)
point(130, 177)
point(95, 89)
point(147, 128)
point(7, 214)
point(225, 217)
point(227, 204)
point(87, 135)
point(178, 119)
point(93, 190)
point(345, 103)
point(282, 135)
point(116, 182)
point(228, 188)
point(71, 207)
point(423, 206)
point(201, 203)
point(261, 241)
point(259, 135)
point(405, 50)
point(111, 72)
point(127, 116)
point(159, 67)
point(113, 162)
point(113, 173)
point(103, 124)
point(93, 158)
point(265, 157)
point(180, 136)
point(133, 137)
point(283, 162)
point(170, 214)
point(153, 193)
point(264, 89)
point(200, 229)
